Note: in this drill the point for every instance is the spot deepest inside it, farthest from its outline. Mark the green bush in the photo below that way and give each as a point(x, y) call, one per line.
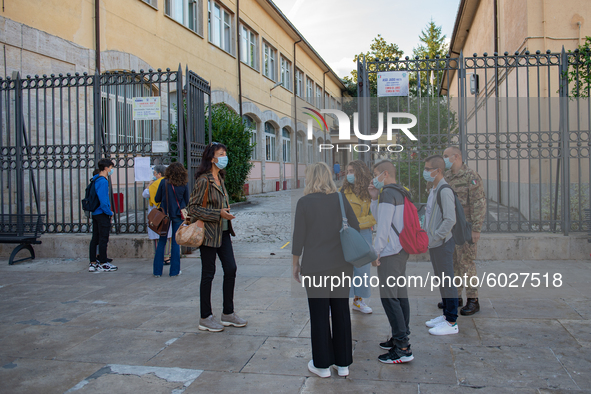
point(229, 129)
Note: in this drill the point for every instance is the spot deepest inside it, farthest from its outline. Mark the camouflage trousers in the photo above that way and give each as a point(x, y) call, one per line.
point(464, 256)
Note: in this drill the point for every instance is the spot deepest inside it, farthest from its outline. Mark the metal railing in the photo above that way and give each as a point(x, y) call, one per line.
point(55, 128)
point(519, 121)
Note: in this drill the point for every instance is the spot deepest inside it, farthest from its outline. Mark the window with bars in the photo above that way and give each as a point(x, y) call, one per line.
point(300, 147)
point(252, 126)
point(286, 73)
point(270, 142)
point(286, 142)
point(153, 3)
point(220, 26)
point(117, 114)
point(269, 61)
point(310, 152)
point(248, 47)
point(185, 12)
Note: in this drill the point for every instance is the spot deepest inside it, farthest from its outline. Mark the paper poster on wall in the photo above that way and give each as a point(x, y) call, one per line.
point(392, 83)
point(143, 170)
point(146, 108)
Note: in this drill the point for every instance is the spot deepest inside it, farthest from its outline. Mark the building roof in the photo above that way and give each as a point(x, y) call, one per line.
point(464, 18)
point(286, 24)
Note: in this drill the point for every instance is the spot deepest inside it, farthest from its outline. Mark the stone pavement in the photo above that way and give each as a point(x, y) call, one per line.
point(63, 329)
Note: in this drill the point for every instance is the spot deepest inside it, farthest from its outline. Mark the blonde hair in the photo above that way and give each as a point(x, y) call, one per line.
point(319, 179)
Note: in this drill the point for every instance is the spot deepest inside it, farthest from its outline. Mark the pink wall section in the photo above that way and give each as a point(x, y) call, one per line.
point(271, 170)
point(255, 171)
point(301, 170)
point(288, 170)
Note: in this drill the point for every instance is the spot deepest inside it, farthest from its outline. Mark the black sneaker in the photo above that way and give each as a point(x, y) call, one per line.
point(397, 356)
point(389, 344)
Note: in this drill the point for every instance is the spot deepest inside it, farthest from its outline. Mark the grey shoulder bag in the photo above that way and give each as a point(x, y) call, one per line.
point(355, 248)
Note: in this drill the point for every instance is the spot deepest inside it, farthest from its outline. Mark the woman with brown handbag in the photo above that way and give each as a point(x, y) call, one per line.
point(218, 228)
point(172, 195)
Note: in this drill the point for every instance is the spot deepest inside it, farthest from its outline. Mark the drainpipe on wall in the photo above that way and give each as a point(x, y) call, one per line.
point(324, 100)
point(238, 57)
point(97, 33)
point(295, 113)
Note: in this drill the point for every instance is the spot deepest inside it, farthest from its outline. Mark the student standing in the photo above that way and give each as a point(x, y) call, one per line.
point(316, 238)
point(218, 229)
point(387, 206)
point(173, 195)
point(101, 219)
point(440, 221)
point(355, 189)
point(150, 194)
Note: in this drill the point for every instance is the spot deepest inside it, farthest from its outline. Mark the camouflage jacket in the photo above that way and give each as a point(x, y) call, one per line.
point(468, 186)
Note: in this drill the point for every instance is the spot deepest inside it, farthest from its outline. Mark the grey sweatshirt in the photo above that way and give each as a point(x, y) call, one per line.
point(439, 226)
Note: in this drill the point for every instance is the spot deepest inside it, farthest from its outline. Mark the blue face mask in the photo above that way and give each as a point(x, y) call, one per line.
point(351, 178)
point(377, 183)
point(111, 172)
point(154, 178)
point(222, 162)
point(447, 163)
point(427, 176)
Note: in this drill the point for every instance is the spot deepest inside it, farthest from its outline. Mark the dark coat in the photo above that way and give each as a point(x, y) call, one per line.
point(171, 208)
point(318, 221)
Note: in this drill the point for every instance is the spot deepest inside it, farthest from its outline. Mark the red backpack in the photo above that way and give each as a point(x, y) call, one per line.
point(413, 239)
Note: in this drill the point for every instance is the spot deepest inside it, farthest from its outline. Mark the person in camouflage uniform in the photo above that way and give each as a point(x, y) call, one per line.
point(468, 186)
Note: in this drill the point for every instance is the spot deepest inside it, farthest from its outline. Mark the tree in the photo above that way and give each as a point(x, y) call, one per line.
point(579, 72)
point(231, 130)
point(432, 46)
point(378, 49)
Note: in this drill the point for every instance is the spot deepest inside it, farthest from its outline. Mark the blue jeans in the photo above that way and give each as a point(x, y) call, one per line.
point(175, 252)
point(442, 259)
point(363, 291)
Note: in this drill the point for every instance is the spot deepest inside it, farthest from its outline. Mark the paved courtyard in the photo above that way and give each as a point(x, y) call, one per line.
point(63, 329)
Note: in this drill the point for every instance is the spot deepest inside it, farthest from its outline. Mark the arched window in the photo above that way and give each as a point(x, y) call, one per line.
point(300, 157)
point(310, 152)
point(251, 124)
point(286, 142)
point(270, 141)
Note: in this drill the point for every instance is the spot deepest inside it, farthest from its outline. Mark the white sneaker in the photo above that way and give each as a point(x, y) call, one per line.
point(433, 322)
point(361, 306)
point(445, 328)
point(342, 371)
point(322, 372)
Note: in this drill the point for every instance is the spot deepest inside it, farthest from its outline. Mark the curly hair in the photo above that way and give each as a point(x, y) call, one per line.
point(362, 179)
point(176, 174)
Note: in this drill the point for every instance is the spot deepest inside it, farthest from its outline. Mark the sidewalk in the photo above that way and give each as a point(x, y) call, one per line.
point(62, 328)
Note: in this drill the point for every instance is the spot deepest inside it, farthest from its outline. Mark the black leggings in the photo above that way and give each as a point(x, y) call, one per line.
point(101, 226)
point(208, 256)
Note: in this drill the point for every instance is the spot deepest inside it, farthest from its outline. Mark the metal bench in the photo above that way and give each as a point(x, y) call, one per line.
point(23, 229)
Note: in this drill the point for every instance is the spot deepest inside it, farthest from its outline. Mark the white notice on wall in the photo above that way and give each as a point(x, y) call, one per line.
point(146, 108)
point(392, 83)
point(159, 146)
point(143, 171)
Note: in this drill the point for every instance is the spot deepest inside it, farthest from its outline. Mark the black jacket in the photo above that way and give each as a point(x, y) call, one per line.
point(318, 222)
point(171, 208)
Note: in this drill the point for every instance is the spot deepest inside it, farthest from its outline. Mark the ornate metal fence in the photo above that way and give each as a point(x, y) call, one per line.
point(55, 128)
point(519, 120)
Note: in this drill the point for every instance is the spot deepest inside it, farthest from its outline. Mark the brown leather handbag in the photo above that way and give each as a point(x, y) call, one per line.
point(192, 234)
point(158, 221)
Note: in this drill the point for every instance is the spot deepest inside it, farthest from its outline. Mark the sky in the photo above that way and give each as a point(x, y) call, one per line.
point(340, 29)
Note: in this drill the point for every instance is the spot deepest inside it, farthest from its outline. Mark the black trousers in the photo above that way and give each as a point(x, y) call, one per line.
point(331, 346)
point(101, 227)
point(208, 256)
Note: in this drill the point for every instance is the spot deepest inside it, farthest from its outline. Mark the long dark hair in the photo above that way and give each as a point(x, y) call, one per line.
point(362, 179)
point(208, 155)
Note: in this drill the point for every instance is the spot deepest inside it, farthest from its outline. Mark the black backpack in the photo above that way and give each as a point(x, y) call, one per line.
point(90, 202)
point(462, 230)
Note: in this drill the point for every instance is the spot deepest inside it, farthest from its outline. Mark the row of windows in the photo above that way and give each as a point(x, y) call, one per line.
point(271, 142)
point(220, 28)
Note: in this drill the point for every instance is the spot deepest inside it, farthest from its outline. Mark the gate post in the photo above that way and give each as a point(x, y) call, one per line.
point(564, 142)
point(96, 93)
point(181, 117)
point(462, 120)
point(18, 137)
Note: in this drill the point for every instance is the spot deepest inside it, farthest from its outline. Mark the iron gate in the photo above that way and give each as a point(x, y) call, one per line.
point(518, 120)
point(55, 129)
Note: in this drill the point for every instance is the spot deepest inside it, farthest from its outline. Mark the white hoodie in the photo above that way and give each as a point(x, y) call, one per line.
point(388, 209)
